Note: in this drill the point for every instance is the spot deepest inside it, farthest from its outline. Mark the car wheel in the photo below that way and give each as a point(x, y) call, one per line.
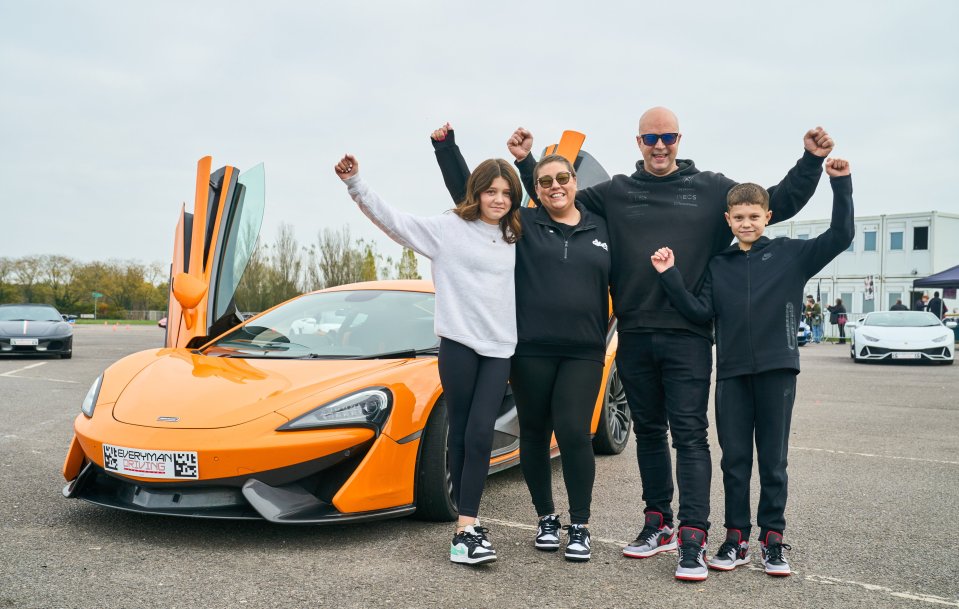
point(66, 355)
point(612, 431)
point(434, 483)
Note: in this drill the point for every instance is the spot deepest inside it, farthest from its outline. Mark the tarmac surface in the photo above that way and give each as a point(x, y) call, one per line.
point(872, 516)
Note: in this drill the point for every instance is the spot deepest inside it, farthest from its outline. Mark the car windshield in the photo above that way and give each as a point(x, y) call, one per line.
point(29, 313)
point(901, 319)
point(350, 324)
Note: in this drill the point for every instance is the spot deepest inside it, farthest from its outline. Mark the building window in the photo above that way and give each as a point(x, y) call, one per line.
point(846, 298)
point(852, 246)
point(868, 306)
point(893, 297)
point(895, 240)
point(803, 236)
point(920, 238)
point(869, 241)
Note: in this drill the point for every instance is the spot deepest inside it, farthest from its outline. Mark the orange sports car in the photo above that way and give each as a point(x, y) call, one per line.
point(326, 408)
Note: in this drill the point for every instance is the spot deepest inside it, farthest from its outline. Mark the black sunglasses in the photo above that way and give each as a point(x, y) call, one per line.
point(561, 177)
point(668, 138)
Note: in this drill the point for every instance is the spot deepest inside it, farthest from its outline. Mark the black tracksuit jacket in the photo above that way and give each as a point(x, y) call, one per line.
point(562, 274)
point(756, 295)
point(683, 210)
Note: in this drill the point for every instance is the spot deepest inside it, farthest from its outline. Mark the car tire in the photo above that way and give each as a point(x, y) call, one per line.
point(66, 355)
point(615, 421)
point(434, 483)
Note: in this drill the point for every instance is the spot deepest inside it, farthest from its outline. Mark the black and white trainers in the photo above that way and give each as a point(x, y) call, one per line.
point(547, 534)
point(483, 532)
point(774, 561)
point(577, 542)
point(692, 555)
point(655, 537)
point(733, 552)
point(467, 547)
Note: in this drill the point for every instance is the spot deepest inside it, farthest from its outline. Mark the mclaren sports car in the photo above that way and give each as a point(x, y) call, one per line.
point(326, 408)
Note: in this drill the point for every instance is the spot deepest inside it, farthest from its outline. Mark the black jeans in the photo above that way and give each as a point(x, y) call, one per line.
point(666, 377)
point(759, 405)
point(474, 387)
point(557, 394)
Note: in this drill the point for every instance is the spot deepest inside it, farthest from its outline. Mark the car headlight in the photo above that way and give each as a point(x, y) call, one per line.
point(870, 338)
point(90, 401)
point(940, 339)
point(366, 408)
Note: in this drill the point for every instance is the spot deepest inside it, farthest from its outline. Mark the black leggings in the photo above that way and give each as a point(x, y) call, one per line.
point(557, 394)
point(474, 387)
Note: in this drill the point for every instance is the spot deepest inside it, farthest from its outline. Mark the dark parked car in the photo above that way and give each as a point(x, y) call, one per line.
point(34, 329)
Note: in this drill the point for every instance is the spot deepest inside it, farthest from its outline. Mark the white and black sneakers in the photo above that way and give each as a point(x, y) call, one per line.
point(472, 547)
point(547, 533)
point(655, 537)
point(774, 561)
point(692, 554)
point(577, 542)
point(732, 553)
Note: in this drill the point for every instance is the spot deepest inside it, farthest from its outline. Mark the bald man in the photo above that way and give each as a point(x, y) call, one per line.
point(663, 359)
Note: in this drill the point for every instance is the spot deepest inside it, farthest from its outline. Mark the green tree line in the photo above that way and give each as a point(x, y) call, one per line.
point(276, 272)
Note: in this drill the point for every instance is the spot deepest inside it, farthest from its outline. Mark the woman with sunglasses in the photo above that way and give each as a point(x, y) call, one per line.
point(473, 256)
point(562, 306)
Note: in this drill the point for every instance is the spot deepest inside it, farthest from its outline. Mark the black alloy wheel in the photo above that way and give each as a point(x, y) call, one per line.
point(615, 420)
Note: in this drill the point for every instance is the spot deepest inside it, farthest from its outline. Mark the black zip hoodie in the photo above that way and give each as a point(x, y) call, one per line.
point(756, 295)
point(562, 274)
point(683, 210)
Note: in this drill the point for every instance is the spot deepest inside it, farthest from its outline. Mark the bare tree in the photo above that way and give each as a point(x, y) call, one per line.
point(28, 270)
point(337, 262)
point(406, 267)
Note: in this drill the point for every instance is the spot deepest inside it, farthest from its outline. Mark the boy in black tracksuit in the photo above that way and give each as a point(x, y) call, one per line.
point(754, 290)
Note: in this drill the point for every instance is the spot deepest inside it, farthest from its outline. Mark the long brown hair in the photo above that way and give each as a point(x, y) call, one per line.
point(481, 179)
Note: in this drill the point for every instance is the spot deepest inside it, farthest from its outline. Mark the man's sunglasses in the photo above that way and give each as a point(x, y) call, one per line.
point(668, 138)
point(561, 177)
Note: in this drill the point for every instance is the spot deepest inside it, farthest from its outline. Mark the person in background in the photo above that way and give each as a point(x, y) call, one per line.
point(814, 318)
point(837, 316)
point(899, 306)
point(936, 306)
point(920, 304)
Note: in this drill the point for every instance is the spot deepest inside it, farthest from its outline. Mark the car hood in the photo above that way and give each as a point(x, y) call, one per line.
point(34, 328)
point(905, 335)
point(204, 392)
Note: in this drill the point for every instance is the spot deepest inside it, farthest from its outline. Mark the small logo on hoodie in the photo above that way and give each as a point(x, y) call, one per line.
point(767, 256)
point(599, 243)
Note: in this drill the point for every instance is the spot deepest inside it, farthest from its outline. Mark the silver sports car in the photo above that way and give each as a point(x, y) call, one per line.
point(34, 329)
point(901, 336)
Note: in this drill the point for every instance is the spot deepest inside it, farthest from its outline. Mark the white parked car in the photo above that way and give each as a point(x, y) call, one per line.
point(901, 335)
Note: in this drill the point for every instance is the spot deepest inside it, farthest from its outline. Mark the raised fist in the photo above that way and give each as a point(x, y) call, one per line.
point(440, 134)
point(818, 142)
point(347, 167)
point(520, 143)
point(836, 167)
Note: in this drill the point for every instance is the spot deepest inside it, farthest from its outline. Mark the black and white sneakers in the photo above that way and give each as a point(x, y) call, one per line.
point(692, 554)
point(577, 542)
point(472, 547)
point(733, 552)
point(774, 561)
point(655, 537)
point(547, 533)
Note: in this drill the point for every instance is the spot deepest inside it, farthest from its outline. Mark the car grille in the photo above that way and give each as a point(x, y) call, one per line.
point(933, 351)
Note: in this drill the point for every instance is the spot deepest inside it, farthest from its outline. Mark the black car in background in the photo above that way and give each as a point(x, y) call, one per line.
point(34, 329)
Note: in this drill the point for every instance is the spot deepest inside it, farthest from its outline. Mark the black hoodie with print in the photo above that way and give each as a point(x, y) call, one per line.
point(683, 210)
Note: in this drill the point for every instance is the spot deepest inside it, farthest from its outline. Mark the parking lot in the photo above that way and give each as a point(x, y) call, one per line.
point(872, 516)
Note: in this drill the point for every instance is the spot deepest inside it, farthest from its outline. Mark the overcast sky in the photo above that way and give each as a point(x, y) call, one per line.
point(105, 107)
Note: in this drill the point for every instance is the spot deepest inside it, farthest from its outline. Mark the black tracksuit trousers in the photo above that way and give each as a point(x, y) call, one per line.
point(474, 387)
point(557, 394)
point(759, 405)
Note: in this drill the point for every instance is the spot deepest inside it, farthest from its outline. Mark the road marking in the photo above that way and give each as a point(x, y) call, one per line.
point(816, 579)
point(12, 372)
point(843, 452)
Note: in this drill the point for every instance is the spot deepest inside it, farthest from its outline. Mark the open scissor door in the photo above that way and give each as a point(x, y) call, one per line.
point(211, 249)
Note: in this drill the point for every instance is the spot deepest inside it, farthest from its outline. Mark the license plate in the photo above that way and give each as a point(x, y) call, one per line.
point(906, 356)
point(23, 342)
point(151, 463)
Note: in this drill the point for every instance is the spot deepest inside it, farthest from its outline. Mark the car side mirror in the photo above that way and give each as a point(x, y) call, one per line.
point(851, 324)
point(951, 324)
point(188, 290)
